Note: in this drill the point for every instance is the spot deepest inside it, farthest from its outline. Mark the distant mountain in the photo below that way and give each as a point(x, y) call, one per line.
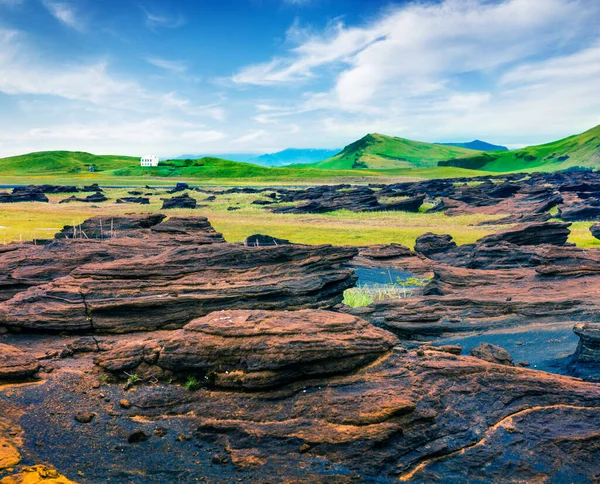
point(477, 145)
point(377, 151)
point(578, 150)
point(225, 156)
point(293, 156)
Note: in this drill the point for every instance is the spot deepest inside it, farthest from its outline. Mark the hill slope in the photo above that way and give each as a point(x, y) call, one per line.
point(73, 164)
point(478, 145)
point(380, 152)
point(578, 150)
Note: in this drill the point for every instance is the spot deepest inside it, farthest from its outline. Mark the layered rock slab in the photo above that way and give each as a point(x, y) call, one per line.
point(170, 289)
point(402, 417)
point(258, 349)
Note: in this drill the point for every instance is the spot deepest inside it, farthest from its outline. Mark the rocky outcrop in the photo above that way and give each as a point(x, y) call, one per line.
point(257, 349)
point(111, 227)
point(181, 201)
point(492, 353)
point(595, 230)
point(459, 299)
point(520, 246)
point(430, 244)
point(23, 194)
point(97, 197)
point(581, 211)
point(586, 360)
point(138, 200)
point(260, 240)
point(98, 240)
point(553, 233)
point(172, 288)
point(15, 364)
point(399, 418)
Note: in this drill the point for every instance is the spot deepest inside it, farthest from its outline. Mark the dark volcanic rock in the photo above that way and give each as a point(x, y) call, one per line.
point(140, 200)
point(179, 187)
point(23, 194)
point(103, 227)
point(586, 360)
point(410, 416)
point(260, 240)
point(97, 197)
point(170, 289)
point(181, 201)
point(595, 230)
point(15, 364)
point(582, 211)
point(492, 353)
point(430, 244)
point(258, 349)
point(98, 239)
point(473, 300)
point(92, 188)
point(555, 233)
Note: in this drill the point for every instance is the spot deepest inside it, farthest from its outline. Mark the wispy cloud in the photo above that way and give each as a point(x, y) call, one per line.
point(176, 66)
point(65, 13)
point(22, 71)
point(156, 19)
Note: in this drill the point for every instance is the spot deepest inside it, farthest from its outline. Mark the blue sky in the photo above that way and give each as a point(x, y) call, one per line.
point(209, 76)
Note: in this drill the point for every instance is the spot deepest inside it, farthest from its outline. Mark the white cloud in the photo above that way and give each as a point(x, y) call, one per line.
point(64, 13)
point(176, 66)
point(439, 70)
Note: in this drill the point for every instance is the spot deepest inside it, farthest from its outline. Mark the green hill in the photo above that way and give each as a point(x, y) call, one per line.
point(380, 152)
point(578, 150)
point(74, 165)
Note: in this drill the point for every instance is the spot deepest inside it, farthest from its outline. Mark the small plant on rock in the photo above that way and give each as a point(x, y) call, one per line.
point(192, 384)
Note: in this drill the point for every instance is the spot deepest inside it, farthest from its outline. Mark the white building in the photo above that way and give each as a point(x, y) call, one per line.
point(149, 160)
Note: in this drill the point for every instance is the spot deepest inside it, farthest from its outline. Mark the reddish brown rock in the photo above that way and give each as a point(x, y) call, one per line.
point(180, 284)
point(492, 353)
point(258, 349)
point(408, 416)
point(26, 265)
point(15, 364)
point(460, 299)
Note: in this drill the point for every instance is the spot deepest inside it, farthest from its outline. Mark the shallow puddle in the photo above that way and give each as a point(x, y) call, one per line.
point(546, 347)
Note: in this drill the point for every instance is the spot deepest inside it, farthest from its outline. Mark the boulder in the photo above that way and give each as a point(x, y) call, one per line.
point(181, 201)
point(492, 353)
point(16, 364)
point(430, 244)
point(260, 240)
point(140, 200)
point(595, 230)
point(586, 360)
point(258, 349)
